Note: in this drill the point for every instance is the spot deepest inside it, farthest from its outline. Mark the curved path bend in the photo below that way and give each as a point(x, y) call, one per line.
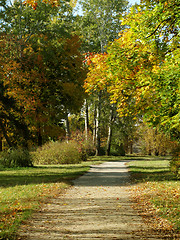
point(98, 206)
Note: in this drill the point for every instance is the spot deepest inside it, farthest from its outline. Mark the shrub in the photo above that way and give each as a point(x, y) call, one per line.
point(77, 149)
point(16, 158)
point(58, 153)
point(85, 144)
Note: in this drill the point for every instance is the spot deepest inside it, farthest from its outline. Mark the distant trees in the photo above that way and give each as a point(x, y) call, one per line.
point(152, 141)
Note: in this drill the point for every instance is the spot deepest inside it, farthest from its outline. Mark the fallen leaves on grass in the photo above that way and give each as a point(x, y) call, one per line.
point(158, 204)
point(18, 205)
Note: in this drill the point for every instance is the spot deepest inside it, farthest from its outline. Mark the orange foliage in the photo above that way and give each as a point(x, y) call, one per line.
point(34, 3)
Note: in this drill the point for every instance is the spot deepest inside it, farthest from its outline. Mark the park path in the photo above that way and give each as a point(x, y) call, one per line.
point(98, 206)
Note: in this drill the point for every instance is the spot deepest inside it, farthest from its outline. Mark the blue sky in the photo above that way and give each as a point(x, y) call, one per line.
point(130, 2)
point(134, 1)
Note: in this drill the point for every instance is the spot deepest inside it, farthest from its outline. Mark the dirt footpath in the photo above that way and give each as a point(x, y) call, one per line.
point(98, 206)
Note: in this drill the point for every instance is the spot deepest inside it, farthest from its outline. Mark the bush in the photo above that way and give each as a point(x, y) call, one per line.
point(58, 153)
point(76, 150)
point(85, 144)
point(16, 158)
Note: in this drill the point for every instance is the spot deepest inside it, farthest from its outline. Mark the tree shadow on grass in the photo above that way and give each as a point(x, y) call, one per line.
point(153, 176)
point(153, 168)
point(108, 175)
point(104, 179)
point(38, 176)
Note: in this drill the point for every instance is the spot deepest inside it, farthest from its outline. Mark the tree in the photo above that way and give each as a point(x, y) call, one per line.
point(137, 70)
point(100, 23)
point(163, 17)
point(94, 84)
point(141, 63)
point(12, 114)
point(41, 73)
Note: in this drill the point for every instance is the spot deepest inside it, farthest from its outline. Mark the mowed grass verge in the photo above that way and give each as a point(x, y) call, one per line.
point(23, 190)
point(156, 192)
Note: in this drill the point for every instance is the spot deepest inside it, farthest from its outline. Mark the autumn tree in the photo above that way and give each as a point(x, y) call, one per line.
point(46, 64)
point(145, 65)
point(142, 67)
point(14, 103)
point(97, 80)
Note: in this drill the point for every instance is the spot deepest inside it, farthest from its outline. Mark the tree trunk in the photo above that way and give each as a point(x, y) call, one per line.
point(98, 119)
point(67, 127)
point(1, 144)
point(5, 135)
point(94, 129)
point(39, 135)
point(86, 119)
point(131, 147)
point(109, 138)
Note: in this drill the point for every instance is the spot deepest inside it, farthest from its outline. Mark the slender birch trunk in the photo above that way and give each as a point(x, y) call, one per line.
point(98, 130)
point(109, 138)
point(94, 128)
point(86, 119)
point(67, 127)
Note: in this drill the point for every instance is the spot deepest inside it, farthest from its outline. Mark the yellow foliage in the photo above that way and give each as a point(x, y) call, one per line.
point(73, 3)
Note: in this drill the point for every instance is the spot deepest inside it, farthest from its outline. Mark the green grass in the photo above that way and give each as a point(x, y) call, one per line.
point(159, 187)
point(23, 190)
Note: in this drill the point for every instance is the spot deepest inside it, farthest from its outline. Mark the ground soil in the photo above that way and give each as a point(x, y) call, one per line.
point(98, 206)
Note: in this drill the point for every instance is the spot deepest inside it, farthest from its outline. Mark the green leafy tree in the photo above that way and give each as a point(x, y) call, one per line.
point(100, 23)
point(162, 17)
point(140, 66)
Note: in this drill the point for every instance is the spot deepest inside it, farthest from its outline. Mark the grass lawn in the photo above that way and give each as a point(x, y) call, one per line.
point(23, 190)
point(157, 191)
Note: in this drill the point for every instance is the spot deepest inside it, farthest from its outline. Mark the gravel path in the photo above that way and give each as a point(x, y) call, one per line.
point(98, 206)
